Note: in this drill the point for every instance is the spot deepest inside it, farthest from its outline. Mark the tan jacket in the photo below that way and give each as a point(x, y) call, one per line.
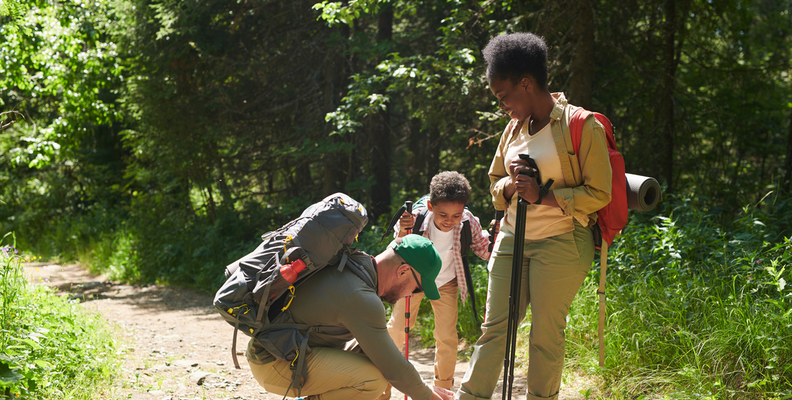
point(587, 175)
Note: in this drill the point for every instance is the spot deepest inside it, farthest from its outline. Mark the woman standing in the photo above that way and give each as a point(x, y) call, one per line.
point(559, 247)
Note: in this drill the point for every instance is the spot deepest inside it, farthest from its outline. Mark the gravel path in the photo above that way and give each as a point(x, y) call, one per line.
point(176, 346)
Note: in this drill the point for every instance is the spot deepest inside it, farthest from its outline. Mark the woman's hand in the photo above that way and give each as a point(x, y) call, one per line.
point(524, 185)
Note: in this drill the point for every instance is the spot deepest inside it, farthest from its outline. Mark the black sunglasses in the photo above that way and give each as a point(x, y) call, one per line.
point(419, 289)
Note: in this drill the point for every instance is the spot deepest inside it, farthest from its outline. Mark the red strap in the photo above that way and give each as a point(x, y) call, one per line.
point(576, 127)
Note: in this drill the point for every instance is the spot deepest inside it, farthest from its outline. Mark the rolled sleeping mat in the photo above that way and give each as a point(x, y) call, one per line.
point(643, 192)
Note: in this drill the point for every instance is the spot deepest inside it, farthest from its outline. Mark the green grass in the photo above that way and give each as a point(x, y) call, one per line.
point(50, 347)
point(698, 302)
point(697, 309)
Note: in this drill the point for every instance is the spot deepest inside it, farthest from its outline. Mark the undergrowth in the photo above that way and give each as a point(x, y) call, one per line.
point(50, 348)
point(698, 304)
point(696, 308)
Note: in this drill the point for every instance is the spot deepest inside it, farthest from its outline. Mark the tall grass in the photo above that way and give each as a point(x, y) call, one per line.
point(50, 348)
point(698, 302)
point(697, 309)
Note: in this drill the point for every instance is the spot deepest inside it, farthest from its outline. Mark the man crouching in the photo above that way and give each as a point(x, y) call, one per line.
point(355, 358)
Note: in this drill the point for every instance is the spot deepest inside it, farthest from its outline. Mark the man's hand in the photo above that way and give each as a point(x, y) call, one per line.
point(406, 222)
point(441, 394)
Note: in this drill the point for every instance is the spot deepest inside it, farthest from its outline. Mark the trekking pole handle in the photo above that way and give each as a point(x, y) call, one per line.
point(543, 188)
point(495, 229)
point(408, 205)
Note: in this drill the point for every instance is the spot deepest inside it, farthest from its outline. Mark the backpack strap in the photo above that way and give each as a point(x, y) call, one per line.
point(342, 264)
point(299, 371)
point(465, 241)
point(466, 238)
point(576, 123)
point(233, 346)
point(355, 265)
point(576, 127)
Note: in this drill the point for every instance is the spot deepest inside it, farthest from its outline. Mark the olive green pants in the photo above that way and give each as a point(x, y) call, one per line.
point(553, 271)
point(334, 374)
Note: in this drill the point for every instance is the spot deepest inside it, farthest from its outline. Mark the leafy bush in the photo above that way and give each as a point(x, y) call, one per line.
point(49, 347)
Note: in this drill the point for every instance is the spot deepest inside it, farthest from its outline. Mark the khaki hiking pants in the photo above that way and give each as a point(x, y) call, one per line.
point(445, 331)
point(553, 271)
point(334, 374)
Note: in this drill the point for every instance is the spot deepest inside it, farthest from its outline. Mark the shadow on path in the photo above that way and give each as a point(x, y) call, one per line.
point(79, 283)
point(178, 347)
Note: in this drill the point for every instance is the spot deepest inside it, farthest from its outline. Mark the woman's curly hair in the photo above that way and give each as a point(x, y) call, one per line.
point(513, 55)
point(450, 186)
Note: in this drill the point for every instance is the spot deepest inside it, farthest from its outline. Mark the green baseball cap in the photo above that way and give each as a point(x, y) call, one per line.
point(421, 254)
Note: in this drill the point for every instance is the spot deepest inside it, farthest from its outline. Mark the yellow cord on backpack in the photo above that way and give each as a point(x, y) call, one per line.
point(231, 310)
point(291, 289)
point(295, 357)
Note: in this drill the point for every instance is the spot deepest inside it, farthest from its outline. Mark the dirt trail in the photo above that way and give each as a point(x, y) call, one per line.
point(177, 347)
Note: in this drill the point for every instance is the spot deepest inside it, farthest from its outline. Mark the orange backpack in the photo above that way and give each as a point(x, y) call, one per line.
point(612, 218)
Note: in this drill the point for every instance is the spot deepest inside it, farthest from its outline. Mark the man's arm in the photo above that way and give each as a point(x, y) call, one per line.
point(364, 316)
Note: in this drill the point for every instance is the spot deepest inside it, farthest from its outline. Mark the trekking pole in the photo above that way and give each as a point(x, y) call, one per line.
point(514, 293)
point(408, 205)
point(495, 229)
point(516, 276)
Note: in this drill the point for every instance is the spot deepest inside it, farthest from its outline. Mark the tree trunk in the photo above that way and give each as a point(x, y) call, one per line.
point(582, 66)
point(787, 185)
point(336, 73)
point(432, 155)
point(381, 132)
point(666, 150)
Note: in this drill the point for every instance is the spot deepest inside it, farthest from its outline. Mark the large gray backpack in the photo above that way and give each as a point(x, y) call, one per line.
point(255, 297)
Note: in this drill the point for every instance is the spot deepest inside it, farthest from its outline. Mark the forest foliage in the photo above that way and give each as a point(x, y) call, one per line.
point(162, 137)
point(155, 140)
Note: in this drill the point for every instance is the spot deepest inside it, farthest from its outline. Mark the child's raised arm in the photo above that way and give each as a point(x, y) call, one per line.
point(480, 243)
